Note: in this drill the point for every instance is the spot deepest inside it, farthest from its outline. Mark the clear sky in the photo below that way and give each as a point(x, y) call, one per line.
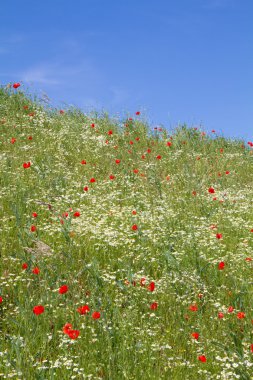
point(176, 61)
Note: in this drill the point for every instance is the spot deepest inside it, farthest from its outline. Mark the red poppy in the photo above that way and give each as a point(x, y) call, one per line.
point(220, 315)
point(83, 309)
point(112, 177)
point(110, 132)
point(134, 227)
point(26, 165)
point(248, 259)
point(202, 358)
point(131, 142)
point(66, 328)
point(142, 281)
point(169, 143)
point(33, 228)
point(85, 188)
point(221, 265)
point(227, 172)
point(194, 192)
point(92, 180)
point(193, 307)
point(76, 214)
point(83, 162)
point(195, 335)
point(63, 289)
point(16, 85)
point(34, 214)
point(240, 315)
point(13, 140)
point(92, 125)
point(137, 113)
point(1, 299)
point(117, 161)
point(219, 236)
point(230, 309)
point(136, 171)
point(134, 212)
point(36, 270)
point(211, 190)
point(24, 266)
point(96, 315)
point(154, 306)
point(251, 348)
point(25, 107)
point(61, 111)
point(39, 309)
point(158, 157)
point(30, 137)
point(73, 334)
point(151, 286)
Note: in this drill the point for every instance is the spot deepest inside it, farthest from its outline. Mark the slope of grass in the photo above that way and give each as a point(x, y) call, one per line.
point(152, 231)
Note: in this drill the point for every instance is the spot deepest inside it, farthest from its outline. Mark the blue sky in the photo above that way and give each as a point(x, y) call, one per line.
point(176, 61)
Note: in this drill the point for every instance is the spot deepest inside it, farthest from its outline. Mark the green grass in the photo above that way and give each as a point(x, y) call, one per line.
point(102, 259)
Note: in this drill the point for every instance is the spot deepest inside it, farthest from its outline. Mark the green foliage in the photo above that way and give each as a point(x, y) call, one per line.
point(148, 218)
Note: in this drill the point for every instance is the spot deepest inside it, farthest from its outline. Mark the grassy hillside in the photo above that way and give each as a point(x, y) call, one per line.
point(150, 231)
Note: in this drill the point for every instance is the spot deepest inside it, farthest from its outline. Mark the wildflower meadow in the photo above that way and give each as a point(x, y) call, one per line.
point(126, 250)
